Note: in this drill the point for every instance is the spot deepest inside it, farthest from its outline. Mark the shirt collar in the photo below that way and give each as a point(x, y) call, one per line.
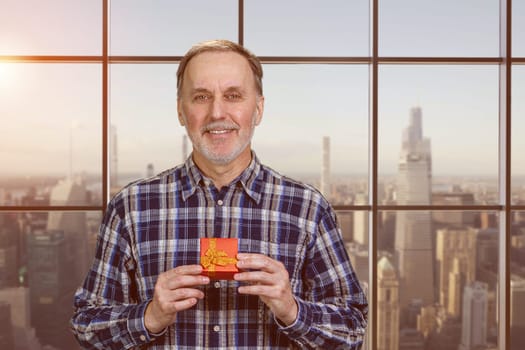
point(250, 179)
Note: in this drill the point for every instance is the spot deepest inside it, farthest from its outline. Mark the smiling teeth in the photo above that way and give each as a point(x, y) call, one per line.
point(218, 131)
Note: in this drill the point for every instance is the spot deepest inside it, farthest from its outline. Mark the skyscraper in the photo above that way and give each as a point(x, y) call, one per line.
point(387, 306)
point(474, 330)
point(51, 265)
point(413, 243)
point(73, 223)
point(361, 220)
point(325, 168)
point(113, 146)
point(456, 261)
point(517, 316)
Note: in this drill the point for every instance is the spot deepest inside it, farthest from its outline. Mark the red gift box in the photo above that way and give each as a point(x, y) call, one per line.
point(218, 258)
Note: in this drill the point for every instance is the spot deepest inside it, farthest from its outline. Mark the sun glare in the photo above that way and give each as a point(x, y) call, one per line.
point(4, 74)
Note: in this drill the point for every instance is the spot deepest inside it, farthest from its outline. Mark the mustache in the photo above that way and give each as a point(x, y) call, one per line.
point(220, 126)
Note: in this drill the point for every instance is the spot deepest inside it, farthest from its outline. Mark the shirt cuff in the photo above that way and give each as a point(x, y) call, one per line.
point(302, 323)
point(137, 330)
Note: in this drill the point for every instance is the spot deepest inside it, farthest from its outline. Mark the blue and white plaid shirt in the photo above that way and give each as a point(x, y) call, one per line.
point(155, 224)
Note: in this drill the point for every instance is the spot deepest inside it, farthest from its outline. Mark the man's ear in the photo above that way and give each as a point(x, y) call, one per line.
point(259, 109)
point(179, 112)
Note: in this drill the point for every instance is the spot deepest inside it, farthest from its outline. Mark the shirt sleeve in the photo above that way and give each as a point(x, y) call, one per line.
point(332, 308)
point(108, 314)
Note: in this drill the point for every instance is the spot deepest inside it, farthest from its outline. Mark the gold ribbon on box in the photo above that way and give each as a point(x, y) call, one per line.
point(214, 257)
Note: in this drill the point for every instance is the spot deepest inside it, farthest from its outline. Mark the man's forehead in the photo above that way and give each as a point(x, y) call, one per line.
point(230, 69)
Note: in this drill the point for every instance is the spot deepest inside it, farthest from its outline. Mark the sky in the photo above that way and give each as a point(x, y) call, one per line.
point(50, 113)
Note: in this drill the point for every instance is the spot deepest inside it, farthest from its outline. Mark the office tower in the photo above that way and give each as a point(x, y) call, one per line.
point(517, 312)
point(452, 218)
point(454, 287)
point(73, 223)
point(361, 220)
point(359, 258)
point(346, 223)
point(411, 339)
point(456, 265)
point(487, 256)
point(488, 220)
point(474, 321)
point(387, 306)
point(8, 251)
point(150, 170)
point(24, 334)
point(413, 243)
point(113, 146)
point(446, 335)
point(51, 265)
point(184, 147)
point(6, 329)
point(325, 168)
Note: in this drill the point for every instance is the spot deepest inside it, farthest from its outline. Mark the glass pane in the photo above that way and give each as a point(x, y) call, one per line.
point(517, 282)
point(51, 128)
point(146, 137)
point(437, 280)
point(438, 133)
point(354, 228)
point(518, 28)
point(307, 28)
point(168, 28)
point(518, 129)
point(317, 133)
point(43, 259)
point(439, 28)
point(51, 27)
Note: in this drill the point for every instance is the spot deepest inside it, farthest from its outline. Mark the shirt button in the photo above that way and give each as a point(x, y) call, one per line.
point(217, 284)
point(220, 202)
point(216, 328)
point(143, 337)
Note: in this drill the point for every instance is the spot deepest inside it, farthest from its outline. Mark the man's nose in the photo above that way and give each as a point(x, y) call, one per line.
point(217, 108)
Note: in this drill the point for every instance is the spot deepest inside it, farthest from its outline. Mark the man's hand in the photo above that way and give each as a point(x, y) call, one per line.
point(270, 281)
point(174, 292)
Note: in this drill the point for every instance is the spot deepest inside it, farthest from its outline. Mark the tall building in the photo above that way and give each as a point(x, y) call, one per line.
point(359, 258)
point(387, 306)
point(517, 314)
point(456, 265)
point(361, 220)
point(452, 218)
point(325, 168)
point(6, 328)
point(9, 234)
point(73, 224)
point(150, 170)
point(24, 334)
point(413, 241)
point(51, 265)
point(474, 329)
point(113, 146)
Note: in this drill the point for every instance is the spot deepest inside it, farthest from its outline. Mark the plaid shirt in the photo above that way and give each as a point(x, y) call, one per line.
point(155, 224)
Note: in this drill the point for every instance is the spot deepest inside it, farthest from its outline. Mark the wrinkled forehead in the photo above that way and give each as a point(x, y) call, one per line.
point(218, 69)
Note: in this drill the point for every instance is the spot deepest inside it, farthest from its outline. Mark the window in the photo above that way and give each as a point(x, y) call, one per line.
point(396, 111)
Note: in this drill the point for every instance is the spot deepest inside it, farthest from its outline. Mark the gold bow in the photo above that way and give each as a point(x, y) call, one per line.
point(214, 257)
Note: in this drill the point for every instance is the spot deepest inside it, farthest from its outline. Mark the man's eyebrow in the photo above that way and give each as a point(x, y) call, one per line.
point(234, 88)
point(198, 89)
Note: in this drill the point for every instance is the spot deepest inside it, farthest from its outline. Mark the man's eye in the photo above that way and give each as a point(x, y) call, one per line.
point(233, 97)
point(201, 98)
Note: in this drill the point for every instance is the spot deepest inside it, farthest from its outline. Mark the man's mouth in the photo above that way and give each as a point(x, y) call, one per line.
point(219, 132)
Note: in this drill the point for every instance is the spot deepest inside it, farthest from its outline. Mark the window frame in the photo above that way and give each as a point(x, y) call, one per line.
point(505, 62)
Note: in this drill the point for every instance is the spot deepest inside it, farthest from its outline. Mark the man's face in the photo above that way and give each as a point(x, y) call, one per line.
point(219, 106)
